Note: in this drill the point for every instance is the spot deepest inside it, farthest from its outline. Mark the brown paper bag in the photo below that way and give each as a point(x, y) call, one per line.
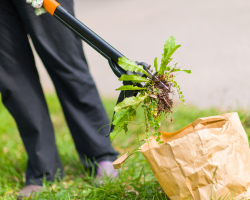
point(208, 159)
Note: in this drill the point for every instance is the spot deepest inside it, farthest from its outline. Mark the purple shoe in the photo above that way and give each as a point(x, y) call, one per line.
point(105, 169)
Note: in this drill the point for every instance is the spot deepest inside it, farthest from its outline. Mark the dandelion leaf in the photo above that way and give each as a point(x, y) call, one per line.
point(130, 66)
point(129, 102)
point(130, 87)
point(134, 78)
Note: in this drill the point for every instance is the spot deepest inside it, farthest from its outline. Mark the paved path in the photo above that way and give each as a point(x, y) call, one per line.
point(215, 39)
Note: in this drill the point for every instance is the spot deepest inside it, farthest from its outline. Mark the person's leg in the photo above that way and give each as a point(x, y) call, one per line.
point(22, 95)
point(61, 52)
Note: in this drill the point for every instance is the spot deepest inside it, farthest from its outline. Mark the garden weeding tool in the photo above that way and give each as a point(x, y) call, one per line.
point(96, 42)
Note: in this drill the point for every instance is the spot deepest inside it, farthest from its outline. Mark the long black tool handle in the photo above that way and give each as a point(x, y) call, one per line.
point(86, 34)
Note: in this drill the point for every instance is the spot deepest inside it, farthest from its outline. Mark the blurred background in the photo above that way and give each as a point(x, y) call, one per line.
point(215, 39)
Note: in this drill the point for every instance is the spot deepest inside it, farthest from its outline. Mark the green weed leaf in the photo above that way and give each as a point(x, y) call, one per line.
point(130, 87)
point(119, 115)
point(130, 66)
point(124, 116)
point(181, 70)
point(168, 50)
point(117, 130)
point(129, 102)
point(156, 64)
point(134, 78)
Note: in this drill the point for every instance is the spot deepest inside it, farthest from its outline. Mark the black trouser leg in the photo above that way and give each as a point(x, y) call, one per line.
point(61, 52)
point(22, 95)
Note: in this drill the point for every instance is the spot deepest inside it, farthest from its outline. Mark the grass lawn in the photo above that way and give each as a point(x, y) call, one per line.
point(136, 178)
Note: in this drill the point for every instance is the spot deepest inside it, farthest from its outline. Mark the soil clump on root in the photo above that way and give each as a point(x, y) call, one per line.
point(165, 103)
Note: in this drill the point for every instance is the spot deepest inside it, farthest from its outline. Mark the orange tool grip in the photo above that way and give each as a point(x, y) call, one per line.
point(50, 6)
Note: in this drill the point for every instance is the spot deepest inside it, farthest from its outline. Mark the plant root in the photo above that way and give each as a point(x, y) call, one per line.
point(165, 103)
